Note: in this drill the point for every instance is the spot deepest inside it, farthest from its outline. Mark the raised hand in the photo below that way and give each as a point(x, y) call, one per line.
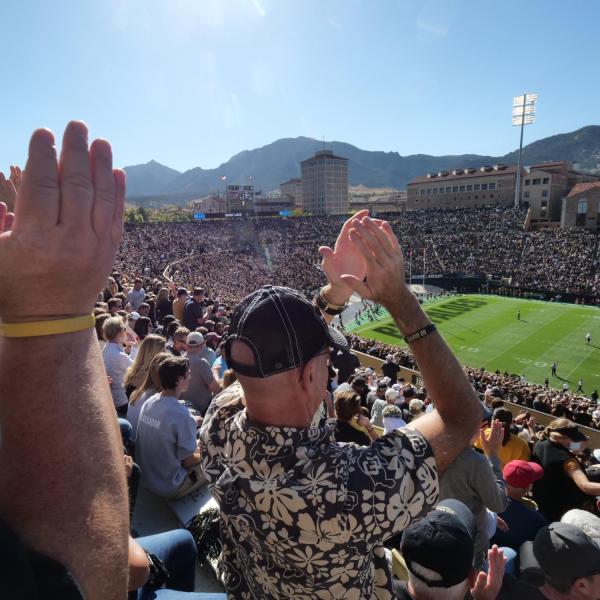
point(492, 441)
point(16, 176)
point(67, 227)
point(8, 193)
point(376, 243)
point(343, 258)
point(487, 586)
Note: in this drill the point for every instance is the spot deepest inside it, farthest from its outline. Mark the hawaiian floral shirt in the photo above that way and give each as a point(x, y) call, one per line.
point(304, 517)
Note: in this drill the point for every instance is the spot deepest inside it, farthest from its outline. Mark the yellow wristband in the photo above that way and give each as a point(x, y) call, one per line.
point(41, 328)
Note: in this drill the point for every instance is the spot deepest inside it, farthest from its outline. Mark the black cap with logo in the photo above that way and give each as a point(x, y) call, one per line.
point(282, 329)
point(442, 543)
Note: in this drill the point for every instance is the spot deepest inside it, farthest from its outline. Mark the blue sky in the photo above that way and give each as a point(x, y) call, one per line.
point(192, 82)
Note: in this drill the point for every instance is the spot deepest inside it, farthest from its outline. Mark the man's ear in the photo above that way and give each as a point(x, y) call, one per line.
point(583, 586)
point(307, 375)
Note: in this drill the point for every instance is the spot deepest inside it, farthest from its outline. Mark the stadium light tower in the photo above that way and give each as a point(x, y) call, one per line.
point(523, 113)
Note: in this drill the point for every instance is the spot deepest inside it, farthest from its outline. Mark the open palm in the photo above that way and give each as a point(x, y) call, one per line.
point(344, 258)
point(66, 228)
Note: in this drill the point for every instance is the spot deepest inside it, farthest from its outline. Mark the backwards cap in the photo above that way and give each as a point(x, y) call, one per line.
point(282, 329)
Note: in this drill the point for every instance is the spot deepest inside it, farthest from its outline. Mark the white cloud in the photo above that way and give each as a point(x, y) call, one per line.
point(432, 28)
point(259, 8)
point(435, 20)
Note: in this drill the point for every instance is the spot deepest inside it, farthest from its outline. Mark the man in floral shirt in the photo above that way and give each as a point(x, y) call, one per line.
point(305, 517)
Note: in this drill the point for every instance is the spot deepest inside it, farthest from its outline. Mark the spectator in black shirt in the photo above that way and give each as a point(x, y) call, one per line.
point(164, 304)
point(360, 387)
point(347, 410)
point(390, 369)
point(345, 363)
point(193, 311)
point(565, 484)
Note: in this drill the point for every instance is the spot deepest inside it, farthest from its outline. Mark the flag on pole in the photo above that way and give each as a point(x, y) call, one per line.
point(223, 177)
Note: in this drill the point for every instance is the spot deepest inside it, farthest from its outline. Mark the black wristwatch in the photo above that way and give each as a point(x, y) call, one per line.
point(327, 307)
point(158, 573)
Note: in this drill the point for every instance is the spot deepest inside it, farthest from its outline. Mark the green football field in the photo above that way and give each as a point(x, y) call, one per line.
point(484, 332)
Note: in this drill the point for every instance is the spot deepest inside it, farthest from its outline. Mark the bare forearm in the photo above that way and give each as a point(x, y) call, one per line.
point(446, 383)
point(62, 481)
point(192, 460)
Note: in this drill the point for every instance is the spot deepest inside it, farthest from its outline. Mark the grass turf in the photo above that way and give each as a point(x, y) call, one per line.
point(484, 332)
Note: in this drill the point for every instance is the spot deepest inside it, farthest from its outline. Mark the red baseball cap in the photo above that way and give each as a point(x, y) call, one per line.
point(521, 474)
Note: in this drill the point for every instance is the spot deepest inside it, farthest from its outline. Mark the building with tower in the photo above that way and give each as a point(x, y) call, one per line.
point(325, 184)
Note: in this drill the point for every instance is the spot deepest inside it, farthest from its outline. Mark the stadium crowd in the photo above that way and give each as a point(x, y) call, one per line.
point(215, 372)
point(487, 240)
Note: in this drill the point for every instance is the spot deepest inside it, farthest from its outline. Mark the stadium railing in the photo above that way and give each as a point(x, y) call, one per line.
point(414, 377)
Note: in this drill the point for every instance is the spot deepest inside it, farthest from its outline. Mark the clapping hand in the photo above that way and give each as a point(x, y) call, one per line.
point(343, 258)
point(66, 230)
point(383, 279)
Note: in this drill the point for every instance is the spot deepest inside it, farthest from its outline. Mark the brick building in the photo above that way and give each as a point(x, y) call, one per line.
point(463, 187)
point(543, 187)
point(581, 208)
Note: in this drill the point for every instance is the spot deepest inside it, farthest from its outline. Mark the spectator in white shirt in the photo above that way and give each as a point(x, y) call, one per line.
point(116, 362)
point(391, 395)
point(136, 295)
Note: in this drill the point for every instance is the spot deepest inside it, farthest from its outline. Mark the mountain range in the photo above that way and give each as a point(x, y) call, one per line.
point(279, 161)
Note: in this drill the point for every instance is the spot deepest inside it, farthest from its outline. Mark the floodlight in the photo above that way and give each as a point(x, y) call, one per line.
point(523, 113)
point(527, 109)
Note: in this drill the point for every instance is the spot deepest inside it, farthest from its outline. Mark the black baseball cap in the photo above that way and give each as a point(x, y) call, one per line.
point(572, 432)
point(566, 553)
point(442, 542)
point(282, 329)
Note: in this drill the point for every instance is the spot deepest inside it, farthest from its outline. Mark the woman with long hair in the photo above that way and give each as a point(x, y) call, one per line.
point(149, 387)
point(164, 304)
point(565, 484)
point(111, 289)
point(136, 374)
point(141, 327)
point(348, 414)
point(99, 324)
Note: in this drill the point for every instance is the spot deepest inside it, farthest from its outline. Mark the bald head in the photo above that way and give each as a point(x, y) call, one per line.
point(289, 398)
